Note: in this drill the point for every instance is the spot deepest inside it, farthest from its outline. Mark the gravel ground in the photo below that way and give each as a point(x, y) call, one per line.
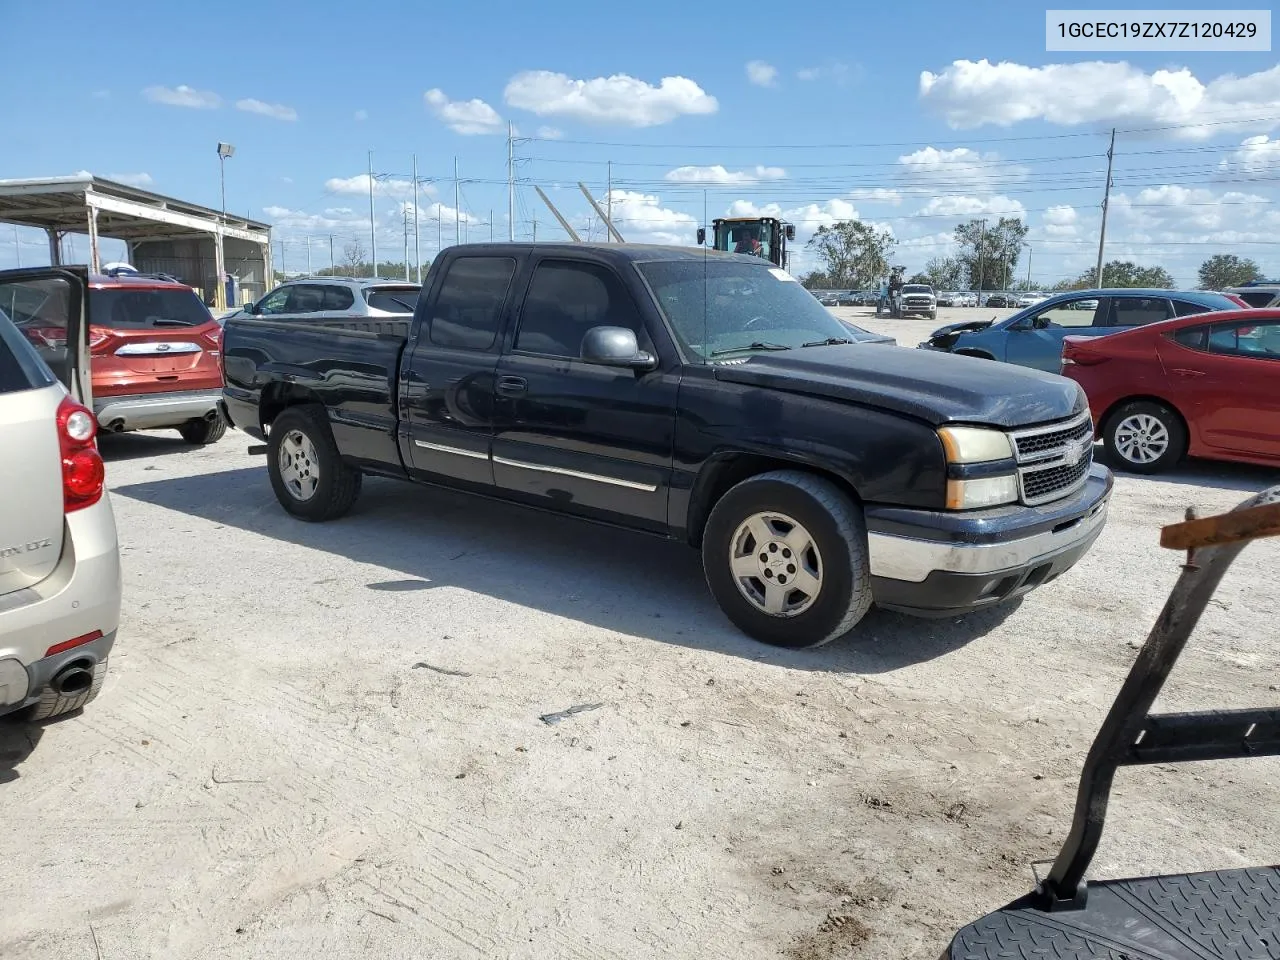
point(325, 739)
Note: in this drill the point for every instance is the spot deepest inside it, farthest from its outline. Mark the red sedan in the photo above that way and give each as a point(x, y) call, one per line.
point(1206, 385)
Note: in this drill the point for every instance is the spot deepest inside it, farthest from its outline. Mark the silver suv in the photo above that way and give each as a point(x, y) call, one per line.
point(59, 557)
point(324, 297)
point(1260, 293)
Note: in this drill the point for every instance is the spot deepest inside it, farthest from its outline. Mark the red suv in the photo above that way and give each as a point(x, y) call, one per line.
point(154, 353)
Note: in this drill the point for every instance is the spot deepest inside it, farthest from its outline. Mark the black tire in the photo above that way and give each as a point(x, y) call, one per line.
point(203, 432)
point(1122, 453)
point(933, 314)
point(53, 704)
point(337, 483)
point(835, 524)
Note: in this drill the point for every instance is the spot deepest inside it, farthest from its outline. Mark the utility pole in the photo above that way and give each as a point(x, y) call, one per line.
point(1106, 201)
point(1029, 251)
point(511, 183)
point(373, 223)
point(284, 271)
point(439, 228)
point(333, 266)
point(405, 216)
point(535, 228)
point(417, 236)
point(308, 256)
point(491, 224)
point(457, 210)
point(609, 198)
point(982, 242)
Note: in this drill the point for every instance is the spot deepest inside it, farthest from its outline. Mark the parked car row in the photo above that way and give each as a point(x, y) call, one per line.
point(1167, 373)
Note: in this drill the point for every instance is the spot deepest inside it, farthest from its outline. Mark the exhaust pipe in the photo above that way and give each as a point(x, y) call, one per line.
point(116, 425)
point(72, 680)
point(211, 416)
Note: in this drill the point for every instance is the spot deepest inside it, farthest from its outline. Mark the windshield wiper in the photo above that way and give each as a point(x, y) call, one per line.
point(166, 322)
point(757, 345)
point(829, 342)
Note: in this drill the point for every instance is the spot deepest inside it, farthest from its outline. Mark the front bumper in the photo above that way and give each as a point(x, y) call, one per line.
point(937, 563)
point(150, 411)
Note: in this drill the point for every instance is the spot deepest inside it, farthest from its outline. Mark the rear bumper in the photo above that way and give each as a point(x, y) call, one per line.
point(80, 597)
point(939, 564)
point(241, 413)
point(149, 411)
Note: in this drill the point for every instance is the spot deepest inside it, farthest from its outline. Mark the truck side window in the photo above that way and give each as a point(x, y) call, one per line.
point(468, 311)
point(565, 300)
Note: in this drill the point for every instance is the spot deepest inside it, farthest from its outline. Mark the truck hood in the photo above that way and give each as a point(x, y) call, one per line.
point(937, 388)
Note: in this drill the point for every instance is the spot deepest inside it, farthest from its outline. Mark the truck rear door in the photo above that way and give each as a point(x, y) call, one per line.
point(49, 332)
point(447, 375)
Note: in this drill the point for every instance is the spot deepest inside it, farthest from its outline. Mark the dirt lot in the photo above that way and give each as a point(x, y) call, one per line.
point(325, 740)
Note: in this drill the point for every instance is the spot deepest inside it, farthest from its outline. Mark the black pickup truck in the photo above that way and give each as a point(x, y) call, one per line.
point(702, 397)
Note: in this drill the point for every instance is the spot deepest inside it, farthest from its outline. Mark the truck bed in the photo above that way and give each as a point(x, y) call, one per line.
point(1222, 915)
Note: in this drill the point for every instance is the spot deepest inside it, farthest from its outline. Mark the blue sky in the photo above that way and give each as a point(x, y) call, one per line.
point(820, 115)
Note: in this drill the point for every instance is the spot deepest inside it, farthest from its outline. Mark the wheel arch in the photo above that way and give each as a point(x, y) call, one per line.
point(278, 396)
point(1110, 412)
point(726, 469)
point(974, 352)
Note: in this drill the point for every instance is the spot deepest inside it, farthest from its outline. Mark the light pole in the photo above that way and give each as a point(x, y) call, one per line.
point(225, 151)
point(1029, 251)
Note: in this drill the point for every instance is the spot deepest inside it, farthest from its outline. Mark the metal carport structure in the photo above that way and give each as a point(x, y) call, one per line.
point(161, 234)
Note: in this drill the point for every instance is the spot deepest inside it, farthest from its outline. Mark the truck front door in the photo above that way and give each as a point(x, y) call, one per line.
point(447, 377)
point(578, 436)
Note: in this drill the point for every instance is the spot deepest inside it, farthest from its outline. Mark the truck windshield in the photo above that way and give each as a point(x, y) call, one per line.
point(916, 288)
point(717, 308)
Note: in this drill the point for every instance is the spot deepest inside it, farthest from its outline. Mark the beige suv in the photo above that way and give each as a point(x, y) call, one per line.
point(59, 557)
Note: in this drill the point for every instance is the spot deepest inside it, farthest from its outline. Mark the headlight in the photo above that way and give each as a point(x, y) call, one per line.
point(983, 492)
point(974, 444)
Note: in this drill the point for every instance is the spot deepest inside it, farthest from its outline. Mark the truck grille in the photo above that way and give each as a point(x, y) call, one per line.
point(1054, 460)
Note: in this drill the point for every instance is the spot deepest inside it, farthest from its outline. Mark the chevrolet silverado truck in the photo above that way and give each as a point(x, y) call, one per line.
point(697, 396)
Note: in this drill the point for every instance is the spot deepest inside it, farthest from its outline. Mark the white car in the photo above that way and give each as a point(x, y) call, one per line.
point(60, 578)
point(1030, 299)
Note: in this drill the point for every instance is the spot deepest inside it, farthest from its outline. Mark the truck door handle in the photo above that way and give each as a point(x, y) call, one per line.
point(512, 386)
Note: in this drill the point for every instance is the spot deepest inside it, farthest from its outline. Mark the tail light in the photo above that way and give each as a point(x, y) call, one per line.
point(214, 336)
point(84, 476)
point(97, 337)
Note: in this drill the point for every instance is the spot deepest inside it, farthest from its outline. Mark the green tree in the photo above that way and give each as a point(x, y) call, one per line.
point(920, 278)
point(988, 253)
point(854, 254)
point(1126, 273)
point(944, 273)
point(1224, 270)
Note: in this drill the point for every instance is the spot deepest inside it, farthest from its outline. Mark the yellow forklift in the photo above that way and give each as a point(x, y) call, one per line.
point(759, 236)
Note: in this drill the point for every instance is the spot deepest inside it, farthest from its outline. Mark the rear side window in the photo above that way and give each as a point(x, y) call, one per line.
point(1193, 337)
point(1184, 309)
point(20, 366)
point(468, 310)
point(1256, 298)
point(1138, 311)
point(392, 299)
point(121, 308)
point(337, 298)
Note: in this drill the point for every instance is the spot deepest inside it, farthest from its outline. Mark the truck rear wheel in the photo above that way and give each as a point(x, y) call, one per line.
point(308, 475)
point(785, 556)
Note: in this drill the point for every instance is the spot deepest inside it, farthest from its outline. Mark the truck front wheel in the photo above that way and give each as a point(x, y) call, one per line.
point(785, 556)
point(308, 475)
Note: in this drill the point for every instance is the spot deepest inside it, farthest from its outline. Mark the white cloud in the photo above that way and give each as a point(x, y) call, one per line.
point(641, 218)
point(549, 133)
point(467, 117)
point(277, 111)
point(1255, 155)
point(101, 94)
point(382, 187)
point(131, 179)
point(960, 168)
point(719, 174)
point(183, 96)
point(762, 74)
point(361, 116)
point(617, 99)
point(876, 195)
point(1060, 221)
point(964, 206)
point(970, 94)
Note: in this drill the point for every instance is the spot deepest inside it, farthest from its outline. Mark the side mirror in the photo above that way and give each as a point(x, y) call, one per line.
point(615, 347)
point(702, 236)
point(253, 309)
point(791, 231)
point(1039, 323)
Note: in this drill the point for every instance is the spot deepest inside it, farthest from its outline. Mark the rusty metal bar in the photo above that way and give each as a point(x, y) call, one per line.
point(1234, 527)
